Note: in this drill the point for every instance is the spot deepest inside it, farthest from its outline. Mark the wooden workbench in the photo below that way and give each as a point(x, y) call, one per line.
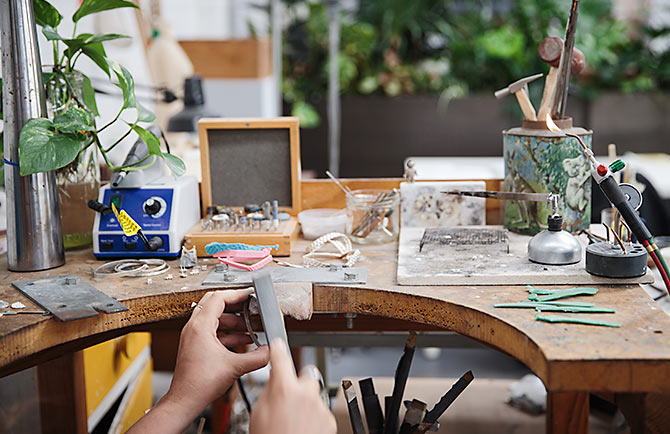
point(629, 365)
point(570, 359)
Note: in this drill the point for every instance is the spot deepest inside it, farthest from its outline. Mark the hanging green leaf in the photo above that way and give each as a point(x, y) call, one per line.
point(51, 34)
point(46, 14)
point(152, 142)
point(96, 52)
point(125, 83)
point(175, 164)
point(144, 114)
point(92, 6)
point(88, 96)
point(74, 120)
point(84, 39)
point(42, 150)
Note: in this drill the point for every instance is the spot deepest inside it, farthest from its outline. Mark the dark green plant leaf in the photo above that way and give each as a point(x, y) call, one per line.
point(96, 52)
point(92, 6)
point(41, 149)
point(46, 14)
point(175, 164)
point(74, 120)
point(144, 114)
point(153, 144)
point(85, 39)
point(51, 34)
point(88, 95)
point(125, 83)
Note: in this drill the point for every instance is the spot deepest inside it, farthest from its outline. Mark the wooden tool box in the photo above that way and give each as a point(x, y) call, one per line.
point(249, 161)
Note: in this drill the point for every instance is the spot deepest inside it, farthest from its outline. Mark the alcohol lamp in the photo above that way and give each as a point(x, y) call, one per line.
point(554, 246)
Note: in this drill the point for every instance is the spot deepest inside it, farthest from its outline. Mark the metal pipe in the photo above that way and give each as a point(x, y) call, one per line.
point(334, 87)
point(34, 237)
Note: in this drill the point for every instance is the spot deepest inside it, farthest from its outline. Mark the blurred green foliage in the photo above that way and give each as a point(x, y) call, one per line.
point(454, 47)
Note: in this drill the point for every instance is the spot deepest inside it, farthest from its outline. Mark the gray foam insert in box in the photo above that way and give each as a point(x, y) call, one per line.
point(250, 166)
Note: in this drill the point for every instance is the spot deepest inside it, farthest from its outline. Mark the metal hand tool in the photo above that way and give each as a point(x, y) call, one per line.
point(401, 374)
point(550, 50)
point(520, 89)
point(25, 312)
point(447, 399)
point(373, 410)
point(271, 316)
point(352, 405)
point(561, 95)
point(505, 195)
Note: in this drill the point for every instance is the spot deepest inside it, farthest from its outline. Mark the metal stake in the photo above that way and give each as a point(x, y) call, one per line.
point(34, 237)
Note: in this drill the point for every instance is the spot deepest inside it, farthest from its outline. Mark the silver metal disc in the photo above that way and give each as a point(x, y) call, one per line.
point(632, 194)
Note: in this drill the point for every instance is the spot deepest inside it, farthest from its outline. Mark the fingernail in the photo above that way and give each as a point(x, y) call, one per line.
point(312, 372)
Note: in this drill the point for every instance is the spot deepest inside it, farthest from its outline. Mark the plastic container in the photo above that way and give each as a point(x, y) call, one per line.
point(320, 221)
point(374, 216)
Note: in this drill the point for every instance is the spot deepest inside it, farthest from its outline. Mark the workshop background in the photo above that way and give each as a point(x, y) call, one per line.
point(416, 80)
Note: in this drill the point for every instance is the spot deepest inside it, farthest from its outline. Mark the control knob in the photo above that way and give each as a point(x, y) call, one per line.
point(152, 206)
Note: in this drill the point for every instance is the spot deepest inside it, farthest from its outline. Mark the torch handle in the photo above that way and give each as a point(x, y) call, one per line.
point(617, 197)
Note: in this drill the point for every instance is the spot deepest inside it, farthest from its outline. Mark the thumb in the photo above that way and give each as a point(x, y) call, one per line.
point(251, 361)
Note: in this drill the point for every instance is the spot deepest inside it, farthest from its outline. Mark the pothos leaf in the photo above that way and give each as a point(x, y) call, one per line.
point(74, 120)
point(125, 83)
point(41, 149)
point(51, 33)
point(175, 164)
point(84, 39)
point(152, 142)
point(88, 95)
point(144, 114)
point(96, 52)
point(92, 6)
point(46, 14)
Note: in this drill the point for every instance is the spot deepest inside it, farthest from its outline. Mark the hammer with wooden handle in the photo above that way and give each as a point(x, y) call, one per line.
point(549, 51)
point(520, 89)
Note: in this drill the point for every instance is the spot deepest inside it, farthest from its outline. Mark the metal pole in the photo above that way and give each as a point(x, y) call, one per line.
point(334, 87)
point(34, 238)
point(275, 16)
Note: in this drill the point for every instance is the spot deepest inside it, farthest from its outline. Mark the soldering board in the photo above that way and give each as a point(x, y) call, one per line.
point(484, 263)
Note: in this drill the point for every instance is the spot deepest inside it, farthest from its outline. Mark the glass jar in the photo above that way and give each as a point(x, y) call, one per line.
point(79, 181)
point(373, 216)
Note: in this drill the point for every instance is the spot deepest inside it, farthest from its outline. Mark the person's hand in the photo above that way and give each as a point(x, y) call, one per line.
point(290, 405)
point(205, 368)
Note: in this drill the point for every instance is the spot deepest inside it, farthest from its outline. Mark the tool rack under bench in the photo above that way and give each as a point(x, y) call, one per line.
point(629, 365)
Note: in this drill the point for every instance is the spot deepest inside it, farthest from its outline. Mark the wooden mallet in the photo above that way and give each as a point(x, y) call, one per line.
point(519, 89)
point(549, 51)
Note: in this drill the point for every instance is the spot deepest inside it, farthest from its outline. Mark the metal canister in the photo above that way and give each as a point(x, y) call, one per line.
point(541, 161)
point(34, 237)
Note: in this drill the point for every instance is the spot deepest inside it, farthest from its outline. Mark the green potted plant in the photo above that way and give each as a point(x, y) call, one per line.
point(68, 140)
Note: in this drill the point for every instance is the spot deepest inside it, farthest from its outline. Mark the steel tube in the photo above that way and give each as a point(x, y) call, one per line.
point(34, 238)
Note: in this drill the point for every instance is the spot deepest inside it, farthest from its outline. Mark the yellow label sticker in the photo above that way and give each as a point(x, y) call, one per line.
point(129, 226)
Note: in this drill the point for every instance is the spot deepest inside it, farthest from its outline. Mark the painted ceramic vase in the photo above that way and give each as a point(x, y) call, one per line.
point(542, 161)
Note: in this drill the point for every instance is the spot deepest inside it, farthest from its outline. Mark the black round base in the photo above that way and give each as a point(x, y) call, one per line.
point(608, 260)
